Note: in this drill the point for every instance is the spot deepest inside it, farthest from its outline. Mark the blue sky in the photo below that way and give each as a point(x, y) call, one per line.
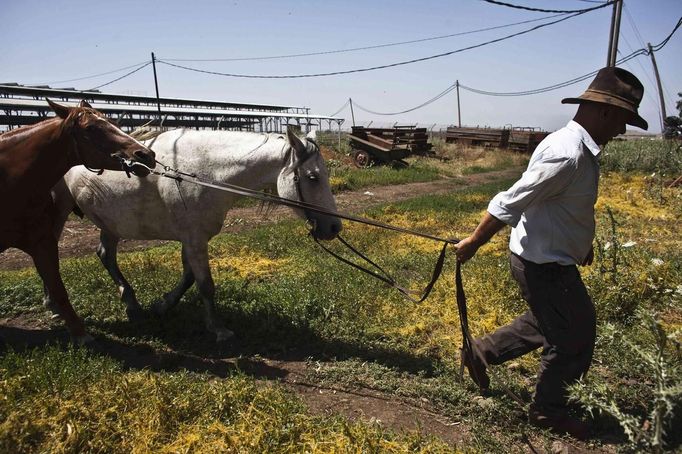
point(51, 41)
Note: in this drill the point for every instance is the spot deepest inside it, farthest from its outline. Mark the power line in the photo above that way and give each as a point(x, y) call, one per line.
point(633, 25)
point(495, 2)
point(474, 90)
point(634, 28)
point(573, 81)
point(340, 109)
point(92, 76)
point(122, 77)
point(426, 103)
point(660, 45)
point(373, 68)
point(353, 49)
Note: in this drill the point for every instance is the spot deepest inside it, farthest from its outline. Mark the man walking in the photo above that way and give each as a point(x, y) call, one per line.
point(551, 211)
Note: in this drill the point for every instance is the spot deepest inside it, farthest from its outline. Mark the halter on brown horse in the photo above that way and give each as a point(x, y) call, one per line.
point(32, 160)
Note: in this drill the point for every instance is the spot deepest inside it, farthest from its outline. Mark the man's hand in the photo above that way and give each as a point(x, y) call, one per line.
point(587, 261)
point(466, 249)
point(488, 227)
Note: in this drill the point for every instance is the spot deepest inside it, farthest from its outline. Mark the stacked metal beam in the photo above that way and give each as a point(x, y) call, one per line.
point(21, 105)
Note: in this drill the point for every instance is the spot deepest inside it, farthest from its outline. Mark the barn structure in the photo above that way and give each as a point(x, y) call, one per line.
point(24, 105)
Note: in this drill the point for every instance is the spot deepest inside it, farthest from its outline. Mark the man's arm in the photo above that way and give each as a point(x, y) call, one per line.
point(488, 227)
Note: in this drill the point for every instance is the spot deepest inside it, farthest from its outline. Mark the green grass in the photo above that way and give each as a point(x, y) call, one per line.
point(284, 296)
point(352, 179)
point(447, 161)
point(643, 155)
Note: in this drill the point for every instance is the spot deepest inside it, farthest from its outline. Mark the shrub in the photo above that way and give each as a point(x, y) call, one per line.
point(663, 385)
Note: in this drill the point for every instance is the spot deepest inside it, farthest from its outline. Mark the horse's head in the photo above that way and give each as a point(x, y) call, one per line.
point(305, 178)
point(99, 143)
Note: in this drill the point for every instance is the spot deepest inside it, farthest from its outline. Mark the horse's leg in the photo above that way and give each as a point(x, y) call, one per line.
point(106, 251)
point(172, 298)
point(197, 257)
point(63, 204)
point(46, 259)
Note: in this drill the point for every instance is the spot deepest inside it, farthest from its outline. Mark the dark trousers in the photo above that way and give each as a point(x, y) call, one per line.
point(561, 319)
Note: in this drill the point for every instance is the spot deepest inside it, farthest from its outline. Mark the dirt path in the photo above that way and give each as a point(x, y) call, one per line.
point(81, 237)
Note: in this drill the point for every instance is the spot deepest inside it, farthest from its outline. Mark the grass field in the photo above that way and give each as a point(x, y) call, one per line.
point(285, 298)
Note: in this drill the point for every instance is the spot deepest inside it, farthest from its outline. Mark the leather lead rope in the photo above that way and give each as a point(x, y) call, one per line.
point(469, 348)
point(387, 278)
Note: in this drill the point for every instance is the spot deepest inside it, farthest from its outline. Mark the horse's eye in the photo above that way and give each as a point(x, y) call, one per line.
point(312, 176)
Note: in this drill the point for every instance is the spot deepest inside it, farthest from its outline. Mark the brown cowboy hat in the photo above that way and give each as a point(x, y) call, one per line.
point(617, 87)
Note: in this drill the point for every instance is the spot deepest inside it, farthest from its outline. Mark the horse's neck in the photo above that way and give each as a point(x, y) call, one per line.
point(36, 156)
point(255, 164)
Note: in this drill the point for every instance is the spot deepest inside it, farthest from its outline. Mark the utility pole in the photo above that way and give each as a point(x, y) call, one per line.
point(350, 100)
point(660, 89)
point(156, 84)
point(615, 33)
point(459, 113)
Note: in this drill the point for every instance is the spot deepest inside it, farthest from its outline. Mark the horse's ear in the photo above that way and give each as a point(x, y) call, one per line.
point(300, 150)
point(312, 135)
point(84, 103)
point(61, 111)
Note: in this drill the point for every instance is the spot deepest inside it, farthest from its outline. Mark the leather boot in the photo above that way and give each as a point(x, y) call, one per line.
point(559, 423)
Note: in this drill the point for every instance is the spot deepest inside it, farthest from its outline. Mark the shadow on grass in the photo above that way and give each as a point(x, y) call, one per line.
point(269, 335)
point(180, 341)
point(139, 356)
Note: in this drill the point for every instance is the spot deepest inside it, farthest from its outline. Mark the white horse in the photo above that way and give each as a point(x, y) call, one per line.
point(159, 208)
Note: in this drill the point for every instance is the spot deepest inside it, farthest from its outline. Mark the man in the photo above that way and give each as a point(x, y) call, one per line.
point(551, 211)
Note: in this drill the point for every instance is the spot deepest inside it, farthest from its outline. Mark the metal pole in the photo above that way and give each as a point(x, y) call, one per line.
point(613, 23)
point(615, 32)
point(156, 85)
point(459, 113)
point(352, 114)
point(660, 89)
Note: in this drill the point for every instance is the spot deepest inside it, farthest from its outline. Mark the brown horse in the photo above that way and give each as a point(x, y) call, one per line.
point(32, 160)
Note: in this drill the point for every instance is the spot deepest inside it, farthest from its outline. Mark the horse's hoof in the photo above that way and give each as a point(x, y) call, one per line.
point(50, 306)
point(159, 307)
point(135, 314)
point(55, 317)
point(83, 339)
point(224, 335)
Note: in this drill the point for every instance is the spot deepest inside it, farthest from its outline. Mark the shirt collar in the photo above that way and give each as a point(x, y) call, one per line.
point(585, 137)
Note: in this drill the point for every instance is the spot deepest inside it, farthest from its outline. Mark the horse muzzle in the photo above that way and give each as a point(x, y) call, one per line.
point(142, 156)
point(326, 230)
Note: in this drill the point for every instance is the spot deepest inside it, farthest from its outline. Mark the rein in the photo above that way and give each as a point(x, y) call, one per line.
point(80, 157)
point(468, 347)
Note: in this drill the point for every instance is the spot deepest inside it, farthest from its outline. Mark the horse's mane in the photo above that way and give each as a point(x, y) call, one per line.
point(146, 132)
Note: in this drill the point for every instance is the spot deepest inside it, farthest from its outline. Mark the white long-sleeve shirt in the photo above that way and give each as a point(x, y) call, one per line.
point(551, 207)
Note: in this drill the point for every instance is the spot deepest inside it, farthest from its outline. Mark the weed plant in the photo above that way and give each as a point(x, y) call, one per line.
point(649, 413)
